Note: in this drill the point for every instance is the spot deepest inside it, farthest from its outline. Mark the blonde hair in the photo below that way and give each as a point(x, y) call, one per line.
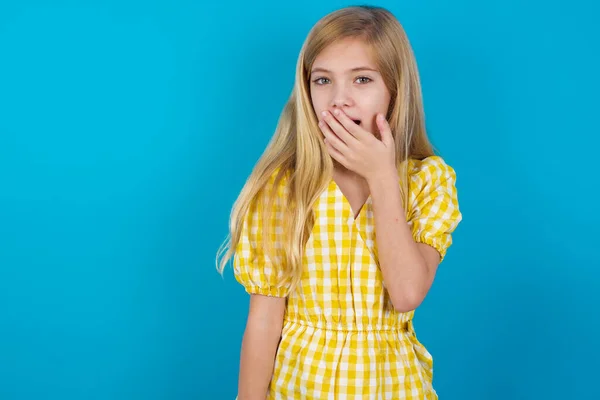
point(297, 151)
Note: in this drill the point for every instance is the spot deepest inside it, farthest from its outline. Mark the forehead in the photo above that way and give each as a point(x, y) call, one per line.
point(345, 54)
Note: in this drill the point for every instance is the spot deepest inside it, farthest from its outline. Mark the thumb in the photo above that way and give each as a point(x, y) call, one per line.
point(384, 130)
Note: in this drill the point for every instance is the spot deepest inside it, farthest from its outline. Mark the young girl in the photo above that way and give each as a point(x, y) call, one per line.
point(340, 228)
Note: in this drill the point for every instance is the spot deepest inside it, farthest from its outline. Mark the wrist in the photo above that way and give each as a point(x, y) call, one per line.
point(383, 179)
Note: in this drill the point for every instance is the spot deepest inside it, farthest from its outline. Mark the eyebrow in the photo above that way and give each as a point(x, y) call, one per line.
point(352, 70)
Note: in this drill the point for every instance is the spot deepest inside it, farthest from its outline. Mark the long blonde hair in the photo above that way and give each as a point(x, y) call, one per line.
point(296, 150)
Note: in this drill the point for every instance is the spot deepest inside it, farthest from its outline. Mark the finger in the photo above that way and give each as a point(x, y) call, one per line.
point(385, 130)
point(338, 128)
point(351, 126)
point(332, 138)
point(335, 154)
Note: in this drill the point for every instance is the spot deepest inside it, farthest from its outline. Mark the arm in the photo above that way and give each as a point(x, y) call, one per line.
point(408, 267)
point(259, 346)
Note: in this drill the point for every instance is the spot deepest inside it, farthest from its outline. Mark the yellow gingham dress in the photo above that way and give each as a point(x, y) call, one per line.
point(341, 337)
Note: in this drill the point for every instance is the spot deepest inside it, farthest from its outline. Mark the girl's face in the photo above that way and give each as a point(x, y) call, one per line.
point(345, 76)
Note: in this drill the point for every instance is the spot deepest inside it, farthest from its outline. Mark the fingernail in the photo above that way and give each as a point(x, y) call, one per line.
point(324, 113)
point(337, 112)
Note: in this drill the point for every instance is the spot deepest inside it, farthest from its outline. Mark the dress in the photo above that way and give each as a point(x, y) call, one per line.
point(341, 337)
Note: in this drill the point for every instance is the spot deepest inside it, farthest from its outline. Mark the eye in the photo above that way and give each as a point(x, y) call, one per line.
point(364, 79)
point(319, 81)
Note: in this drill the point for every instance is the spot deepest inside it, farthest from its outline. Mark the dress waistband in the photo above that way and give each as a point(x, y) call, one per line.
point(332, 326)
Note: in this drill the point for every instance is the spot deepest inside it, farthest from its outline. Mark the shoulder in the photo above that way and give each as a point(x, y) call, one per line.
point(279, 176)
point(278, 183)
point(434, 211)
point(432, 181)
point(270, 196)
point(430, 169)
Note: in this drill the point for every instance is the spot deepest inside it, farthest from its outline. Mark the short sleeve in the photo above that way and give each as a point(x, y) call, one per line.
point(253, 268)
point(434, 212)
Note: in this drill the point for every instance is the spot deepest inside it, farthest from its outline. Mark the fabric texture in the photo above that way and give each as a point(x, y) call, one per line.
point(342, 338)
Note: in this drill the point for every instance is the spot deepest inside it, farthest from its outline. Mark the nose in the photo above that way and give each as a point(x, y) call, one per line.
point(342, 97)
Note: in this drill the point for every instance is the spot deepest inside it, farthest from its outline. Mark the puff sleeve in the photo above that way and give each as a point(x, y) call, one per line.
point(434, 211)
point(253, 268)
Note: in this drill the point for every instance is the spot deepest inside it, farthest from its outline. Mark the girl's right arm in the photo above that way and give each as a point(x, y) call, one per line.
point(259, 346)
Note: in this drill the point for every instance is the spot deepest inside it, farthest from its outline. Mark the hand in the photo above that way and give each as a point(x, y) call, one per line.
point(356, 148)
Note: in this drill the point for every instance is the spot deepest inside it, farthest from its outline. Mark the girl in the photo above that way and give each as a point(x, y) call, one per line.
point(340, 228)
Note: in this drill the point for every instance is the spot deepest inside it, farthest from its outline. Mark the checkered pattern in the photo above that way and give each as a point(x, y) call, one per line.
point(342, 338)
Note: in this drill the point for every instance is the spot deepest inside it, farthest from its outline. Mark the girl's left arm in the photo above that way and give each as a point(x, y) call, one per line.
point(408, 267)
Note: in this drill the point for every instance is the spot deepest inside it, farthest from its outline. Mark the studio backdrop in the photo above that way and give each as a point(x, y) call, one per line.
point(127, 129)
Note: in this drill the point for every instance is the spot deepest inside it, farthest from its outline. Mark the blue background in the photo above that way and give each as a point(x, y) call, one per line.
point(128, 128)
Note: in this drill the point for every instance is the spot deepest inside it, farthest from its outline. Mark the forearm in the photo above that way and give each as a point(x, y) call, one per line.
point(404, 269)
point(259, 347)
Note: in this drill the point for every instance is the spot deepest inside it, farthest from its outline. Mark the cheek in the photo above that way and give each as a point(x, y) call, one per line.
point(318, 105)
point(379, 100)
point(375, 102)
point(371, 126)
point(315, 102)
point(383, 104)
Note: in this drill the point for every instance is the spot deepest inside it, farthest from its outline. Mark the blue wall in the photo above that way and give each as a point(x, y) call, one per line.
point(128, 128)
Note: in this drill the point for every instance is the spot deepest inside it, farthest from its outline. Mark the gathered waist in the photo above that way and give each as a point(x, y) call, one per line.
point(349, 327)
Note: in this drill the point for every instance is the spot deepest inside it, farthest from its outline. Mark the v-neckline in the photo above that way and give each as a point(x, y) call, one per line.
point(355, 214)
